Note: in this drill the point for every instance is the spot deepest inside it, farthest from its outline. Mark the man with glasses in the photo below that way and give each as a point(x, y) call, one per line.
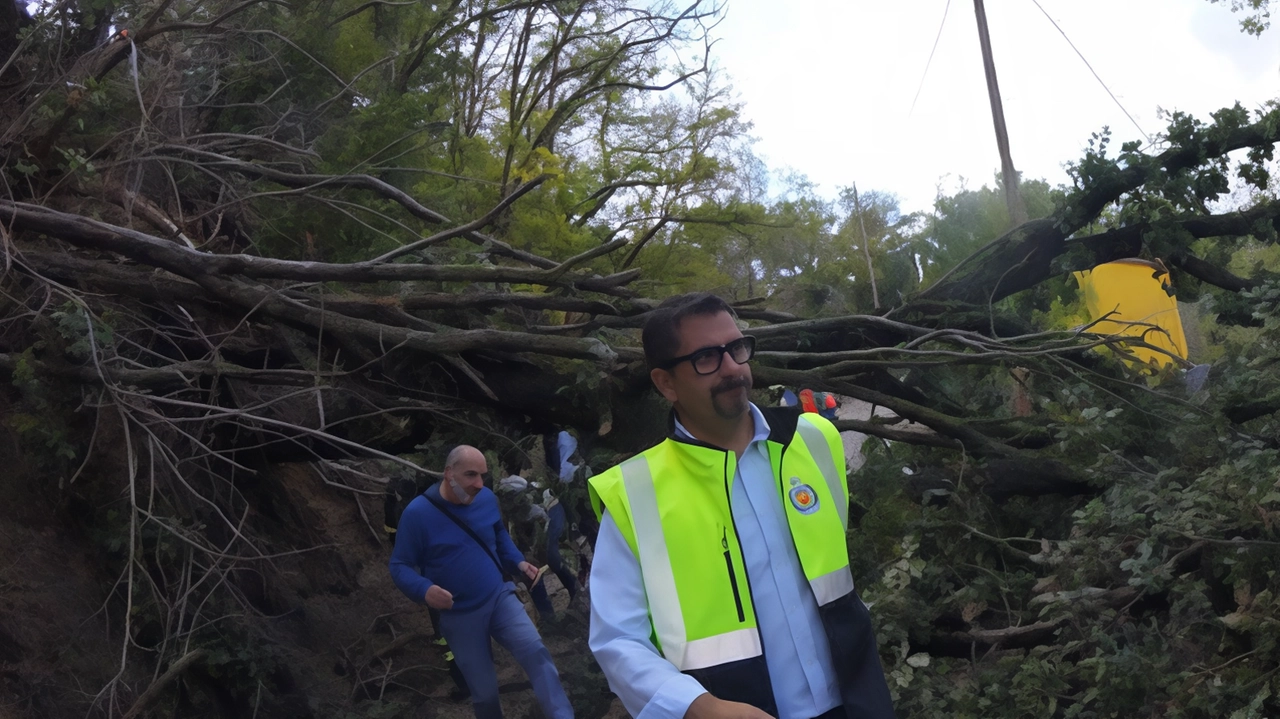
point(453, 553)
point(721, 586)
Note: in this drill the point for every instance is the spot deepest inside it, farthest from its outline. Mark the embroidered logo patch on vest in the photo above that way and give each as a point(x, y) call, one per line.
point(803, 498)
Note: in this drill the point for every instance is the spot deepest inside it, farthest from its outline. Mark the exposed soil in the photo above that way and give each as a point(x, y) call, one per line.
point(340, 639)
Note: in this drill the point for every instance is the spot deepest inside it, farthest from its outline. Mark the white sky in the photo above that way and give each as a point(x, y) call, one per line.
point(828, 83)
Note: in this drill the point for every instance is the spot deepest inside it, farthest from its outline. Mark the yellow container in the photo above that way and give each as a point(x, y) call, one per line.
point(1136, 298)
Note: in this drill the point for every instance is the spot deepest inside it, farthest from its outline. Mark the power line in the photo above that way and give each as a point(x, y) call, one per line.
point(930, 62)
point(1095, 74)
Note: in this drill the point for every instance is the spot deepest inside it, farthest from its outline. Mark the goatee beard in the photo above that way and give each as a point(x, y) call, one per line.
point(737, 408)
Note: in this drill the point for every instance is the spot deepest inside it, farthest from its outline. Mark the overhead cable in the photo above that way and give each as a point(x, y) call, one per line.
point(930, 62)
point(1095, 74)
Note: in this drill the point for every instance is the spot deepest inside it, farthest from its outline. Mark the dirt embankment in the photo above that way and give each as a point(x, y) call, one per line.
point(323, 633)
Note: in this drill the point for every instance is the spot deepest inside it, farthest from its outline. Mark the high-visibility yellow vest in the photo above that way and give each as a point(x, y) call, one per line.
point(671, 505)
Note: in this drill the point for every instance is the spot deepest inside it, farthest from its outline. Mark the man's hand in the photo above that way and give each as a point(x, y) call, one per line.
point(439, 598)
point(529, 570)
point(708, 707)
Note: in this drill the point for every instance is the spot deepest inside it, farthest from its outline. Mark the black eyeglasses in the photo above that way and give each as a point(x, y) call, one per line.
point(707, 360)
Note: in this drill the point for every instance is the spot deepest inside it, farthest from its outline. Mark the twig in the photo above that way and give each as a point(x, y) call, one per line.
point(148, 697)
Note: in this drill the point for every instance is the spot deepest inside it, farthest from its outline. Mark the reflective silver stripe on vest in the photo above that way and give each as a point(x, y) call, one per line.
point(720, 649)
point(660, 585)
point(831, 586)
point(821, 452)
point(655, 563)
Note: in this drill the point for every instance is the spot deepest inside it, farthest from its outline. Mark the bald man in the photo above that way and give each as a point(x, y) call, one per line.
point(452, 553)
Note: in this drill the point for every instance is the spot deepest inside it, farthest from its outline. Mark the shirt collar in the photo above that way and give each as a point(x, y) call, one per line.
point(761, 426)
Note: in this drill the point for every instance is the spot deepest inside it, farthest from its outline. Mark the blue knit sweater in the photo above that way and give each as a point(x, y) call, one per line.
point(432, 549)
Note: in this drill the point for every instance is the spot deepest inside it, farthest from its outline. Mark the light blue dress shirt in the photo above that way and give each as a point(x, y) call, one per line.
point(795, 643)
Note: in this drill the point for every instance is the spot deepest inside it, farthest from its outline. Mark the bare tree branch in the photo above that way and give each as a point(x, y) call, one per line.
point(193, 264)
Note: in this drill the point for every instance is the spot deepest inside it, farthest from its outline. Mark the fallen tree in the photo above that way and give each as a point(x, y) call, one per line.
point(222, 272)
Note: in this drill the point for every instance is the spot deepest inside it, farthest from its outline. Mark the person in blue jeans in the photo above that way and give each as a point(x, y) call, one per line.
point(559, 461)
point(531, 505)
point(555, 530)
point(452, 553)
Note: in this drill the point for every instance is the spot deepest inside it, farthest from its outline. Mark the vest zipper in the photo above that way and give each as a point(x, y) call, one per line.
point(742, 617)
point(733, 578)
point(724, 543)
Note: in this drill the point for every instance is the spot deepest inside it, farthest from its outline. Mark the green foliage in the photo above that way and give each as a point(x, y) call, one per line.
point(963, 223)
point(1186, 519)
point(1257, 14)
point(40, 418)
point(1181, 512)
point(1251, 377)
point(238, 661)
point(81, 334)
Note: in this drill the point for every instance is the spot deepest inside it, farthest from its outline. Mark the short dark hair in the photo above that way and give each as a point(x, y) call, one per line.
point(661, 335)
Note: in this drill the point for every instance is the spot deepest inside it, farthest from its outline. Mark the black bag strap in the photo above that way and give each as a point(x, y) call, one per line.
point(470, 532)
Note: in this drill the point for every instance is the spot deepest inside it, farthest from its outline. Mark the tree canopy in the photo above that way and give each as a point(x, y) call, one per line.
point(241, 235)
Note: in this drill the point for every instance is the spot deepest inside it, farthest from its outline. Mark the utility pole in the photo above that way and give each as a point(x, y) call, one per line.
point(866, 247)
point(1012, 197)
